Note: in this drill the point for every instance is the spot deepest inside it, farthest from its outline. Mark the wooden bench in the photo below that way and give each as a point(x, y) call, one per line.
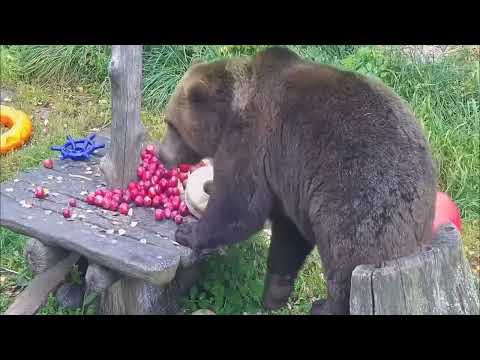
point(147, 269)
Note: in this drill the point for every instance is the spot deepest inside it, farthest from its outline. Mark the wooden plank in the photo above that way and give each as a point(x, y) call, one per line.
point(147, 229)
point(36, 293)
point(120, 253)
point(127, 132)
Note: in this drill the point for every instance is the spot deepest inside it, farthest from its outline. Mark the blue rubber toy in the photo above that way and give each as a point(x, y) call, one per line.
point(80, 149)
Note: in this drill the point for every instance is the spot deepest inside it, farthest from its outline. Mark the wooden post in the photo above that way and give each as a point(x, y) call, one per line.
point(127, 133)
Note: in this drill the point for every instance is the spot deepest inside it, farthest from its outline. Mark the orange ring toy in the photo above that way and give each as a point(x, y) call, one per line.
point(20, 129)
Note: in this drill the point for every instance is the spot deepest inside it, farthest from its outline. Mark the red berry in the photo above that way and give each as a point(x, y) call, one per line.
point(98, 200)
point(140, 172)
point(151, 191)
point(150, 149)
point(168, 205)
point(183, 209)
point(123, 208)
point(90, 199)
point(168, 213)
point(143, 154)
point(142, 192)
point(39, 192)
point(67, 213)
point(152, 167)
point(126, 196)
point(133, 194)
point(182, 177)
point(169, 191)
point(147, 175)
point(132, 185)
point(141, 184)
point(175, 191)
point(147, 201)
point(163, 184)
point(48, 164)
point(154, 160)
point(159, 214)
point(175, 203)
point(174, 172)
point(157, 188)
point(108, 194)
point(72, 203)
point(174, 213)
point(159, 173)
point(116, 198)
point(139, 200)
point(156, 201)
point(184, 168)
point(178, 219)
point(173, 181)
point(117, 191)
point(147, 184)
point(99, 192)
point(155, 179)
point(114, 205)
point(163, 199)
point(106, 203)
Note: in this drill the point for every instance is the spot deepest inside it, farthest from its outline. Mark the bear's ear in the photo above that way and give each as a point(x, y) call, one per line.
point(197, 91)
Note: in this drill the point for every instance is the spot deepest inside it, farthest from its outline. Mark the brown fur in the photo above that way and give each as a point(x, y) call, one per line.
point(334, 159)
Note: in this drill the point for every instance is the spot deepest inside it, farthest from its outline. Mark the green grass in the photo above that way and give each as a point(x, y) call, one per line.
point(71, 82)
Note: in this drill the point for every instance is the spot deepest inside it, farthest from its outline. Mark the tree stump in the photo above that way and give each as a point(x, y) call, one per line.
point(130, 296)
point(127, 133)
point(41, 257)
point(437, 281)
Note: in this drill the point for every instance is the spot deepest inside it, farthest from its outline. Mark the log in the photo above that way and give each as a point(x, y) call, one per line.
point(36, 293)
point(438, 281)
point(130, 296)
point(41, 257)
point(127, 132)
point(97, 280)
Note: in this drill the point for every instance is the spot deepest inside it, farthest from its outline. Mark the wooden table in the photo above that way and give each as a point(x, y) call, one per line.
point(133, 260)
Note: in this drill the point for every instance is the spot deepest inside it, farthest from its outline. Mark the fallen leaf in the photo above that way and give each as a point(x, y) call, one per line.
point(133, 223)
point(121, 232)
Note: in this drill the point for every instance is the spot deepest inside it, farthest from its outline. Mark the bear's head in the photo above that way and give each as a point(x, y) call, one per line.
point(196, 114)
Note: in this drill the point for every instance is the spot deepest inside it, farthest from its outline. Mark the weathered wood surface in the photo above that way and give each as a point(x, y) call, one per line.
point(41, 257)
point(128, 132)
point(437, 281)
point(146, 251)
point(36, 293)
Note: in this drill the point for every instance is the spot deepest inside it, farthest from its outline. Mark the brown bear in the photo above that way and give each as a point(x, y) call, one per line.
point(331, 157)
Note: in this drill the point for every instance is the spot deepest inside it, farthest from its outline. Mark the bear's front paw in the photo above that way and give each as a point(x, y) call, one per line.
point(185, 235)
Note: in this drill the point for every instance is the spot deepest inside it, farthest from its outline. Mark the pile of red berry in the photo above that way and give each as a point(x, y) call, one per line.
point(157, 187)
